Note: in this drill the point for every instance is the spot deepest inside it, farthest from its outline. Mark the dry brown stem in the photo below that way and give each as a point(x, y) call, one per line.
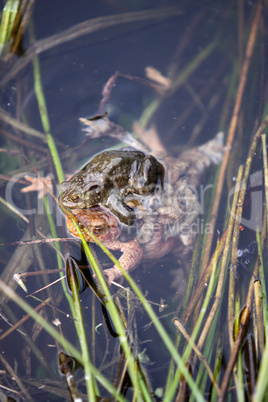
point(245, 317)
point(204, 278)
point(198, 353)
point(232, 129)
point(85, 28)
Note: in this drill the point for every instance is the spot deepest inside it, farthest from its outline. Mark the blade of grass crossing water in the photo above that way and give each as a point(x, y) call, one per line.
point(43, 112)
point(90, 383)
point(218, 364)
point(263, 286)
point(208, 351)
point(58, 337)
point(265, 311)
point(111, 308)
point(240, 392)
point(159, 327)
point(180, 79)
point(222, 278)
point(54, 154)
point(60, 265)
point(7, 22)
point(232, 275)
point(260, 392)
point(258, 316)
point(169, 395)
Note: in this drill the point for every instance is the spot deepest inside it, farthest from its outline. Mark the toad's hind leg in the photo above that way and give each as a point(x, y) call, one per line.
point(209, 153)
point(151, 139)
point(129, 260)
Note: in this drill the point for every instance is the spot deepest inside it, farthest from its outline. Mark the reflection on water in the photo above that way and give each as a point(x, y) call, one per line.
point(196, 50)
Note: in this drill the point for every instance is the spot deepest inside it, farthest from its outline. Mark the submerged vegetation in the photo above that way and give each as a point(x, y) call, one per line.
point(139, 342)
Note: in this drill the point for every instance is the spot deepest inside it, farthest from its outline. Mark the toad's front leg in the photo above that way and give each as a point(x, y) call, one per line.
point(130, 259)
point(119, 208)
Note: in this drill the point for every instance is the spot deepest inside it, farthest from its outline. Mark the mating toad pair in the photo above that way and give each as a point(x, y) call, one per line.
point(140, 201)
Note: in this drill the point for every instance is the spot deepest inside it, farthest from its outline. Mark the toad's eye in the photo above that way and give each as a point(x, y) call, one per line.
point(98, 230)
point(75, 198)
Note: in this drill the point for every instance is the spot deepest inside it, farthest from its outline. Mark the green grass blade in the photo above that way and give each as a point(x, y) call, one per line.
point(262, 380)
point(90, 383)
point(113, 312)
point(172, 389)
point(7, 22)
point(44, 114)
point(11, 294)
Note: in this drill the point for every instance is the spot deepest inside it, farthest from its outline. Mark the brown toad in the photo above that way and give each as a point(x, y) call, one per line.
point(106, 227)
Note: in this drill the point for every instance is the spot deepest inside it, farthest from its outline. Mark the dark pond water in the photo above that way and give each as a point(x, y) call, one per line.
point(195, 46)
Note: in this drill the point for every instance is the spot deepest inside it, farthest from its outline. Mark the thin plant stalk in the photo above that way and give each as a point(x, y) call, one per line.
point(159, 327)
point(262, 380)
point(16, 379)
point(233, 126)
point(220, 284)
point(259, 307)
point(208, 350)
point(240, 391)
point(221, 280)
point(173, 386)
point(204, 278)
point(235, 349)
point(90, 383)
point(5, 117)
point(214, 177)
point(192, 273)
point(26, 337)
point(44, 115)
point(218, 363)
point(264, 150)
point(22, 320)
point(263, 292)
point(54, 154)
point(233, 335)
point(10, 12)
point(245, 316)
point(231, 292)
point(109, 304)
point(197, 352)
point(85, 28)
point(9, 292)
point(205, 305)
point(181, 78)
point(54, 234)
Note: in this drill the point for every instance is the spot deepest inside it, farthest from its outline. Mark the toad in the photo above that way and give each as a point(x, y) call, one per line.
point(109, 177)
point(106, 227)
point(164, 222)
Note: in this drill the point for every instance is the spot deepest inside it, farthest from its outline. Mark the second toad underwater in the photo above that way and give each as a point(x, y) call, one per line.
point(144, 188)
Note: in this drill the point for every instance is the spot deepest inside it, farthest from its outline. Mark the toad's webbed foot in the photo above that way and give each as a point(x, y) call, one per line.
point(103, 127)
point(42, 185)
point(111, 274)
point(131, 257)
point(214, 149)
